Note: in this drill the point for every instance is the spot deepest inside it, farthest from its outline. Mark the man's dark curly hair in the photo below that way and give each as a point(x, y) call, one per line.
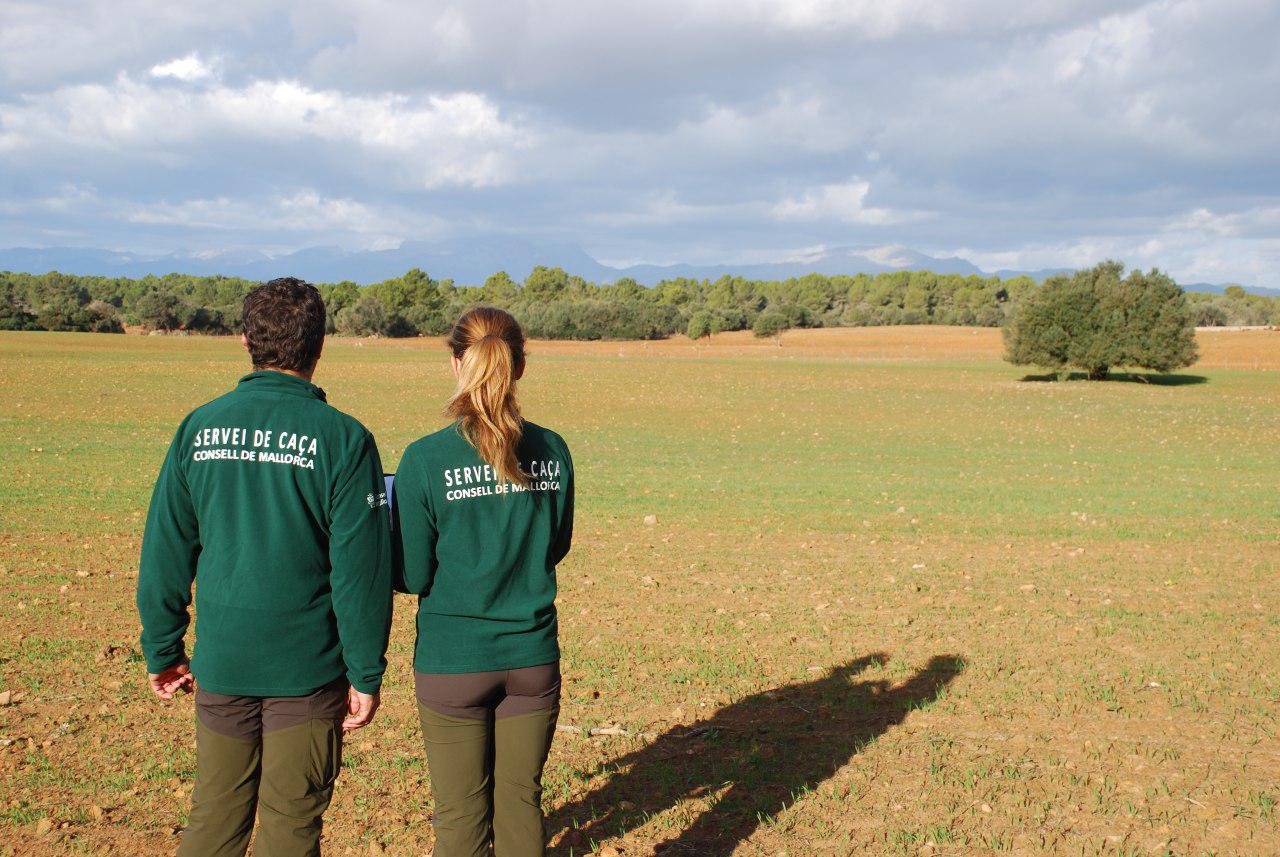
point(284, 324)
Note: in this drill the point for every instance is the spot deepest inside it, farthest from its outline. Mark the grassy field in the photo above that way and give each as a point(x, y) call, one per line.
point(897, 598)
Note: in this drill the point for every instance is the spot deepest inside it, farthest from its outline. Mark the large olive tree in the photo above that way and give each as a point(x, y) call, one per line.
point(1098, 319)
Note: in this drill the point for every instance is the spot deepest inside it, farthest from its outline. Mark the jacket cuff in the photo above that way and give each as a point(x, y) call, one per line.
point(158, 663)
point(369, 686)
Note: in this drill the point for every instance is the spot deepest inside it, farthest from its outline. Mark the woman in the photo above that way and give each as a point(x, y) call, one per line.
point(484, 511)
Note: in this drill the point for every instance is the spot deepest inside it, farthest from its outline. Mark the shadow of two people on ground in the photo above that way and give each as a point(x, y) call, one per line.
point(761, 754)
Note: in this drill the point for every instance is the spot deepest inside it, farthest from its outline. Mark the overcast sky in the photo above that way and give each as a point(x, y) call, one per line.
point(1016, 133)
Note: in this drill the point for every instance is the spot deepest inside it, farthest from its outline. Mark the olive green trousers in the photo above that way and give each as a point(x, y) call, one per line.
point(486, 758)
point(274, 757)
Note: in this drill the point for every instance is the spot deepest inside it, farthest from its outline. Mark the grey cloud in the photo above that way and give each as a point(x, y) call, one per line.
point(702, 129)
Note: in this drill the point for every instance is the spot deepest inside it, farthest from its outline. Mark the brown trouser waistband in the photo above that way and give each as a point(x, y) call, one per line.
point(248, 717)
point(495, 693)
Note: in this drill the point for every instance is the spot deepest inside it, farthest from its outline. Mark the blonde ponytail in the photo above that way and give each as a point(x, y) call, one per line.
point(489, 345)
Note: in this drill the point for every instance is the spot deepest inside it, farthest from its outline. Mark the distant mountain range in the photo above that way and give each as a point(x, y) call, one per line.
point(470, 261)
point(1219, 288)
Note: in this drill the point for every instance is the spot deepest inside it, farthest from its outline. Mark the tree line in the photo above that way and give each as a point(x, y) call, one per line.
point(1234, 308)
point(553, 304)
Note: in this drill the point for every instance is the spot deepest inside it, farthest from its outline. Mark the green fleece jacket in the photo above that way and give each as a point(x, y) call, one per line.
point(272, 502)
point(481, 554)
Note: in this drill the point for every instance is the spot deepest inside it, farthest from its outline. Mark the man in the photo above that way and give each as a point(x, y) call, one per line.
point(273, 503)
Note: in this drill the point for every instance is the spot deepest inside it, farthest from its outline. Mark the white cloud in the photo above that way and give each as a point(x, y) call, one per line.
point(304, 211)
point(1155, 92)
point(883, 19)
point(455, 139)
point(845, 202)
point(1257, 222)
point(285, 220)
point(66, 199)
point(1200, 246)
point(790, 120)
point(665, 207)
point(189, 68)
point(45, 43)
point(876, 19)
point(1042, 132)
point(1112, 48)
point(892, 255)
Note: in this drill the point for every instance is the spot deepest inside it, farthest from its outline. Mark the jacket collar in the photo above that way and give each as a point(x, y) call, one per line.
point(280, 382)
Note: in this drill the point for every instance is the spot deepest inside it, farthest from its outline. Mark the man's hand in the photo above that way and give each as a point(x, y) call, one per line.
point(360, 709)
point(176, 679)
